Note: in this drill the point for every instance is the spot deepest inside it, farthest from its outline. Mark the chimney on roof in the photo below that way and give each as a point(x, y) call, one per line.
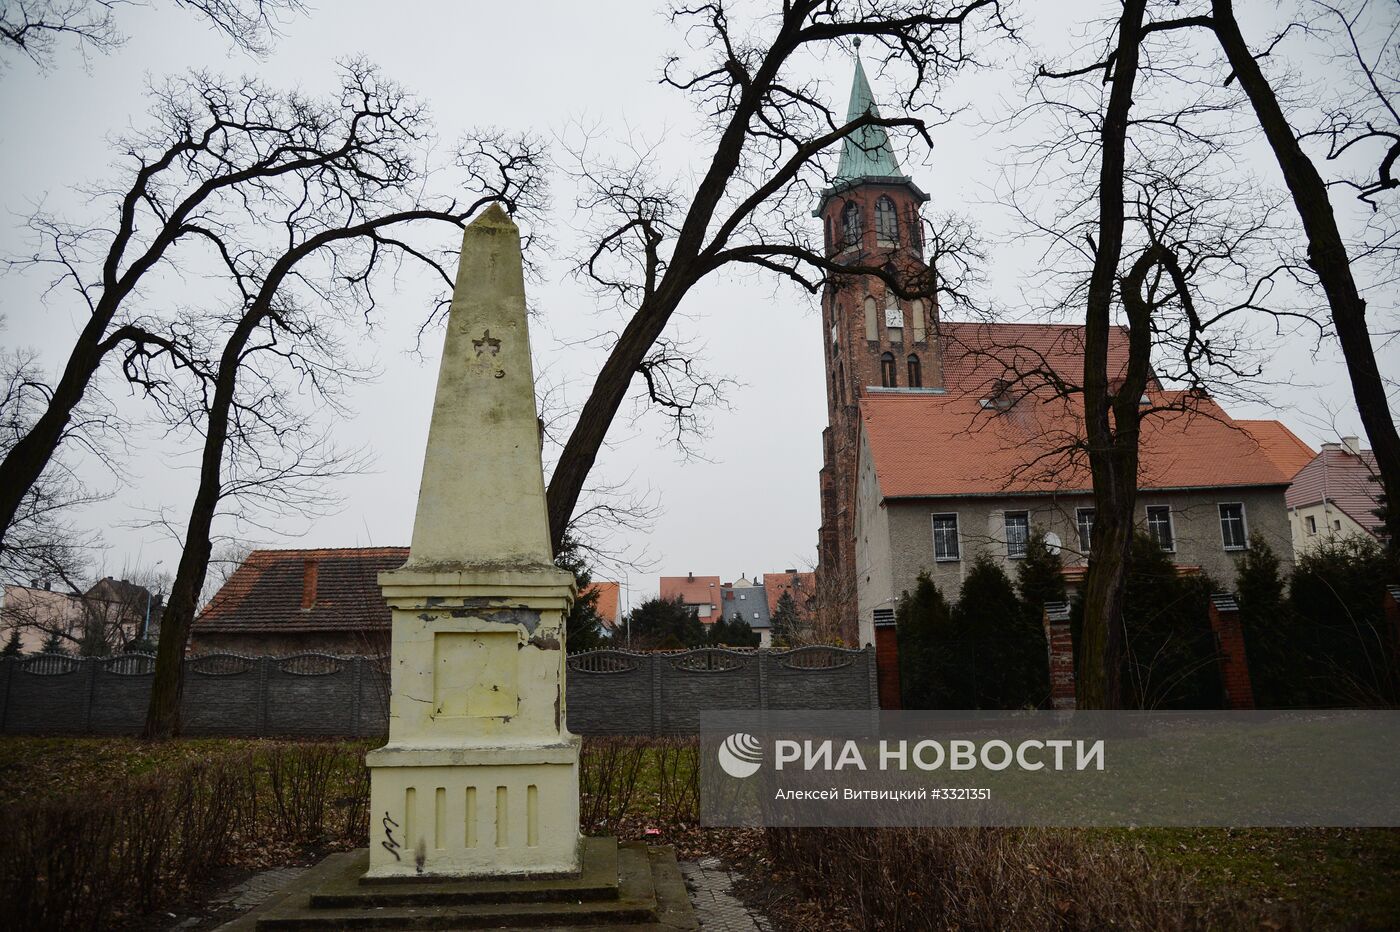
point(48, 584)
point(690, 577)
point(309, 574)
point(790, 569)
point(1352, 445)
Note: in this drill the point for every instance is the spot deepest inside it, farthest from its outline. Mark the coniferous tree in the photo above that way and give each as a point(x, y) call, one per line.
point(922, 621)
point(1275, 645)
point(53, 644)
point(998, 651)
point(584, 626)
point(665, 624)
point(786, 621)
point(14, 646)
point(1170, 660)
point(735, 632)
point(1338, 592)
point(93, 643)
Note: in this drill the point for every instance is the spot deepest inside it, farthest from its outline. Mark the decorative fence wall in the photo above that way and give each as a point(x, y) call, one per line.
point(609, 691)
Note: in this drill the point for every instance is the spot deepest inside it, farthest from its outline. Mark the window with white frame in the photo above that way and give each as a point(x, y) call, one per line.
point(1084, 521)
point(1232, 530)
point(1018, 533)
point(1312, 525)
point(1159, 526)
point(945, 538)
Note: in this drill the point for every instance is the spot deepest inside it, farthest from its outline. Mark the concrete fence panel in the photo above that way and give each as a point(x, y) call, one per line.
point(308, 695)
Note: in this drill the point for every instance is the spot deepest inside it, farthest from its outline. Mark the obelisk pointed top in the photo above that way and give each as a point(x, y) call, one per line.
point(481, 503)
point(494, 216)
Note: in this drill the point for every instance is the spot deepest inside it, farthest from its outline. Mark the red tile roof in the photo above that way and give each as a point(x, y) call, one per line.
point(975, 355)
point(803, 587)
point(694, 590)
point(609, 594)
point(1344, 478)
point(1280, 444)
point(265, 593)
point(950, 445)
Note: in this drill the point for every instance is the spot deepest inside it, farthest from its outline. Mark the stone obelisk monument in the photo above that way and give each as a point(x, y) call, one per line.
point(480, 774)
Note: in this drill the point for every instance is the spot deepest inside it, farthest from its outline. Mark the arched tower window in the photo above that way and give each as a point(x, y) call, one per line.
point(889, 376)
point(872, 331)
point(886, 220)
point(916, 375)
point(850, 224)
point(841, 382)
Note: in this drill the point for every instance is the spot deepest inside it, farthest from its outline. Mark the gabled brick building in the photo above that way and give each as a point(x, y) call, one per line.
point(282, 602)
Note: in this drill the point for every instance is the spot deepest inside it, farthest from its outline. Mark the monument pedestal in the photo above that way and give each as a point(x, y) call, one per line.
point(480, 775)
point(619, 886)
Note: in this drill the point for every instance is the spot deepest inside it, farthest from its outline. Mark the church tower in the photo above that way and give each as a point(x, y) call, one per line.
point(874, 340)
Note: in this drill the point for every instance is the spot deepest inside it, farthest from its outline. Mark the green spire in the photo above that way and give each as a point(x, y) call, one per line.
point(866, 153)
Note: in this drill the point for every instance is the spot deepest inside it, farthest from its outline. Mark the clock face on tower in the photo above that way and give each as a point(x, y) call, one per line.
point(894, 317)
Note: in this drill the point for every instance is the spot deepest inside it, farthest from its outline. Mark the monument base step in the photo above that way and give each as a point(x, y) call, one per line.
point(621, 886)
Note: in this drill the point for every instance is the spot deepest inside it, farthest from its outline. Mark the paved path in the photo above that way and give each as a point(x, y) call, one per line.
point(718, 909)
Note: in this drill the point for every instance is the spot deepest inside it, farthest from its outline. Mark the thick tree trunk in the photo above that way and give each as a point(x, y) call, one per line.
point(1112, 445)
point(1327, 254)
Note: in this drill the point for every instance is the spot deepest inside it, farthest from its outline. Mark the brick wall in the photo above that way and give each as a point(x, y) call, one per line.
point(608, 691)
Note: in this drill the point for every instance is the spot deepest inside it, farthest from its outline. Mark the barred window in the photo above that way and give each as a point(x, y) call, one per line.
point(1232, 530)
point(945, 538)
point(1159, 526)
point(1084, 519)
point(1018, 533)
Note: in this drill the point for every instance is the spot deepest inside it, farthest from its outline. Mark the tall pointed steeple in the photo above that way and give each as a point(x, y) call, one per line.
point(866, 153)
point(867, 156)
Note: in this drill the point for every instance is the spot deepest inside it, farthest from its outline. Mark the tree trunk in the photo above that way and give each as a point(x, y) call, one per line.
point(1327, 254)
point(168, 684)
point(25, 462)
point(1112, 446)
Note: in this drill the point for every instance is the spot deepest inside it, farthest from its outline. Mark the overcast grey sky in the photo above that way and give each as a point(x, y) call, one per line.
point(749, 507)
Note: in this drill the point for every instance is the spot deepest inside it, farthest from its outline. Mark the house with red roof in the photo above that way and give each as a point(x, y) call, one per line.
point(1335, 495)
point(701, 593)
point(281, 602)
point(947, 439)
point(327, 600)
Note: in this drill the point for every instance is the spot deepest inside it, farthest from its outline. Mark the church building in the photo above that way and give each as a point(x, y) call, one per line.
point(939, 447)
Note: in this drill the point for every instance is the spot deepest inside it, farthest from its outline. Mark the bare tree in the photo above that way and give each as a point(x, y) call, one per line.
point(1327, 252)
point(772, 138)
point(34, 28)
point(209, 187)
point(339, 231)
point(1186, 257)
point(43, 542)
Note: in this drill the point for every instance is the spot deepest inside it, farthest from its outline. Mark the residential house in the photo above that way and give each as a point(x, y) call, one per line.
point(1335, 496)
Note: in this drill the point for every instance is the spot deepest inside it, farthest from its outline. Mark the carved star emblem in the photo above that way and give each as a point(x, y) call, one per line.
point(487, 344)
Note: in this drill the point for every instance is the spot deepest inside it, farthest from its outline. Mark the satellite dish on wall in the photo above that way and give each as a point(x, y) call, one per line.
point(1052, 541)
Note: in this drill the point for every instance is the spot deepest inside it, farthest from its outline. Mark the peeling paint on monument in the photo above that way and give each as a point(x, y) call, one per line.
point(480, 776)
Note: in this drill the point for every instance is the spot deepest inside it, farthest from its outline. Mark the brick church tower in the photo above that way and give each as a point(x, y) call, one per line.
point(874, 340)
